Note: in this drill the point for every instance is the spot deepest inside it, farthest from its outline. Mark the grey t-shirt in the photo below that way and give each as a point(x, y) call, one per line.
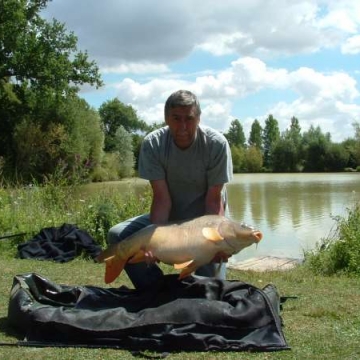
point(190, 172)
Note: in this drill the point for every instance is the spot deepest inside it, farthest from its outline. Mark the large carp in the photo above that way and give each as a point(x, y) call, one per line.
point(187, 245)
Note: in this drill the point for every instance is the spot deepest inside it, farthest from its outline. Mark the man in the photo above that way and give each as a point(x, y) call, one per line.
point(187, 166)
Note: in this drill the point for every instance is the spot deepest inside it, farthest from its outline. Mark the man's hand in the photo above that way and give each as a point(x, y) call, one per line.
point(220, 257)
point(150, 259)
point(161, 202)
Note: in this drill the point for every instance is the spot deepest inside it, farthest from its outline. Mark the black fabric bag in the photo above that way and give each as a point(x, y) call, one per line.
point(195, 314)
point(59, 244)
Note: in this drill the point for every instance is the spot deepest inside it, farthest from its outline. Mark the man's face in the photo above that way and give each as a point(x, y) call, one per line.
point(183, 122)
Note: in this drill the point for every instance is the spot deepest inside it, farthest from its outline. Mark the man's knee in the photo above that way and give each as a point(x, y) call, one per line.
point(113, 234)
point(126, 228)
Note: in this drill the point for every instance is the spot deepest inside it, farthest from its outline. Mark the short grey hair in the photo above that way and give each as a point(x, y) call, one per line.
point(182, 98)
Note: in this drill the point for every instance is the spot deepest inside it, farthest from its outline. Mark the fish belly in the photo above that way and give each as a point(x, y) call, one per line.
point(180, 244)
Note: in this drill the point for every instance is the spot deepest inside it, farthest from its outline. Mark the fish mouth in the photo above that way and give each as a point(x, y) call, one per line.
point(257, 235)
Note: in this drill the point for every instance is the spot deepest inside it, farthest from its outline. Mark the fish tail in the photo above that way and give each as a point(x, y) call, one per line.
point(114, 267)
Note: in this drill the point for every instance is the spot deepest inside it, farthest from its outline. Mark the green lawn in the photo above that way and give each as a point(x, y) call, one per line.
point(322, 323)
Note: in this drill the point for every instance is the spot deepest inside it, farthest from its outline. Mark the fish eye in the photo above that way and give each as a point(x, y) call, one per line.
point(246, 226)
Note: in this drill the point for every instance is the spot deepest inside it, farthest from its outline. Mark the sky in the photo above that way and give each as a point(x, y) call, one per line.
point(244, 59)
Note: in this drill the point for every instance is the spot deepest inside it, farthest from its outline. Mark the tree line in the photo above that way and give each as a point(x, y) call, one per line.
point(47, 131)
point(268, 149)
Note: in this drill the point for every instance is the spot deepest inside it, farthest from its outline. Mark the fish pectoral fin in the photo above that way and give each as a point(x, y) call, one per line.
point(188, 270)
point(212, 234)
point(114, 267)
point(182, 265)
point(138, 257)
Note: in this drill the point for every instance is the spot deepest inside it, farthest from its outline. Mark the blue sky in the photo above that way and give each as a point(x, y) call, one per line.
point(245, 59)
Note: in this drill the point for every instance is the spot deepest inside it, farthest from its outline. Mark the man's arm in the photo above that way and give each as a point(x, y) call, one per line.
point(214, 204)
point(161, 202)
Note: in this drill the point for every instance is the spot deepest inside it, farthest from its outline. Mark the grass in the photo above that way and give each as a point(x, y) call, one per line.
point(322, 323)
point(31, 208)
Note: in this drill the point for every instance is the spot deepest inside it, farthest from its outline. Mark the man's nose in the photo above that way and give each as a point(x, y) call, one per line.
point(183, 124)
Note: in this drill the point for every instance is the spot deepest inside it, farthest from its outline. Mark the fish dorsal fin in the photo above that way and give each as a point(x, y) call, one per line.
point(212, 234)
point(183, 265)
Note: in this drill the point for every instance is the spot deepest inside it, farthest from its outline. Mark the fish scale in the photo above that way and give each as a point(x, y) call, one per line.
point(187, 245)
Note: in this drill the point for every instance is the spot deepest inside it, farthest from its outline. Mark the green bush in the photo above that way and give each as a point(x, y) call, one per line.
point(105, 209)
point(341, 251)
point(32, 208)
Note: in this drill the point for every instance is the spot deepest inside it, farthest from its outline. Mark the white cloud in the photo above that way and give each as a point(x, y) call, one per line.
point(343, 15)
point(135, 68)
point(340, 19)
point(153, 91)
point(224, 44)
point(158, 31)
point(152, 113)
point(142, 42)
point(323, 99)
point(251, 75)
point(351, 46)
point(311, 84)
point(216, 114)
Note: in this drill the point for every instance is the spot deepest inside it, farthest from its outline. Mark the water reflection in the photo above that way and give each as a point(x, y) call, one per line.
point(294, 211)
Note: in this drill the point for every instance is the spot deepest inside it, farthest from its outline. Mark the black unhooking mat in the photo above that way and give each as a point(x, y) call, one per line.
point(195, 314)
point(60, 244)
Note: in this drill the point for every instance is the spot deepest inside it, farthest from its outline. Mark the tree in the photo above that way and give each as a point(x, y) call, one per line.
point(255, 137)
point(85, 139)
point(235, 134)
point(286, 153)
point(294, 133)
point(40, 71)
point(113, 114)
point(124, 152)
point(71, 138)
point(253, 159)
point(351, 147)
point(155, 126)
point(271, 135)
point(39, 54)
point(336, 158)
point(356, 126)
point(35, 151)
point(238, 158)
point(315, 147)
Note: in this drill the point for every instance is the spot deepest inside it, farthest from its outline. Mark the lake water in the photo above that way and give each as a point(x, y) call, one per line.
point(294, 211)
